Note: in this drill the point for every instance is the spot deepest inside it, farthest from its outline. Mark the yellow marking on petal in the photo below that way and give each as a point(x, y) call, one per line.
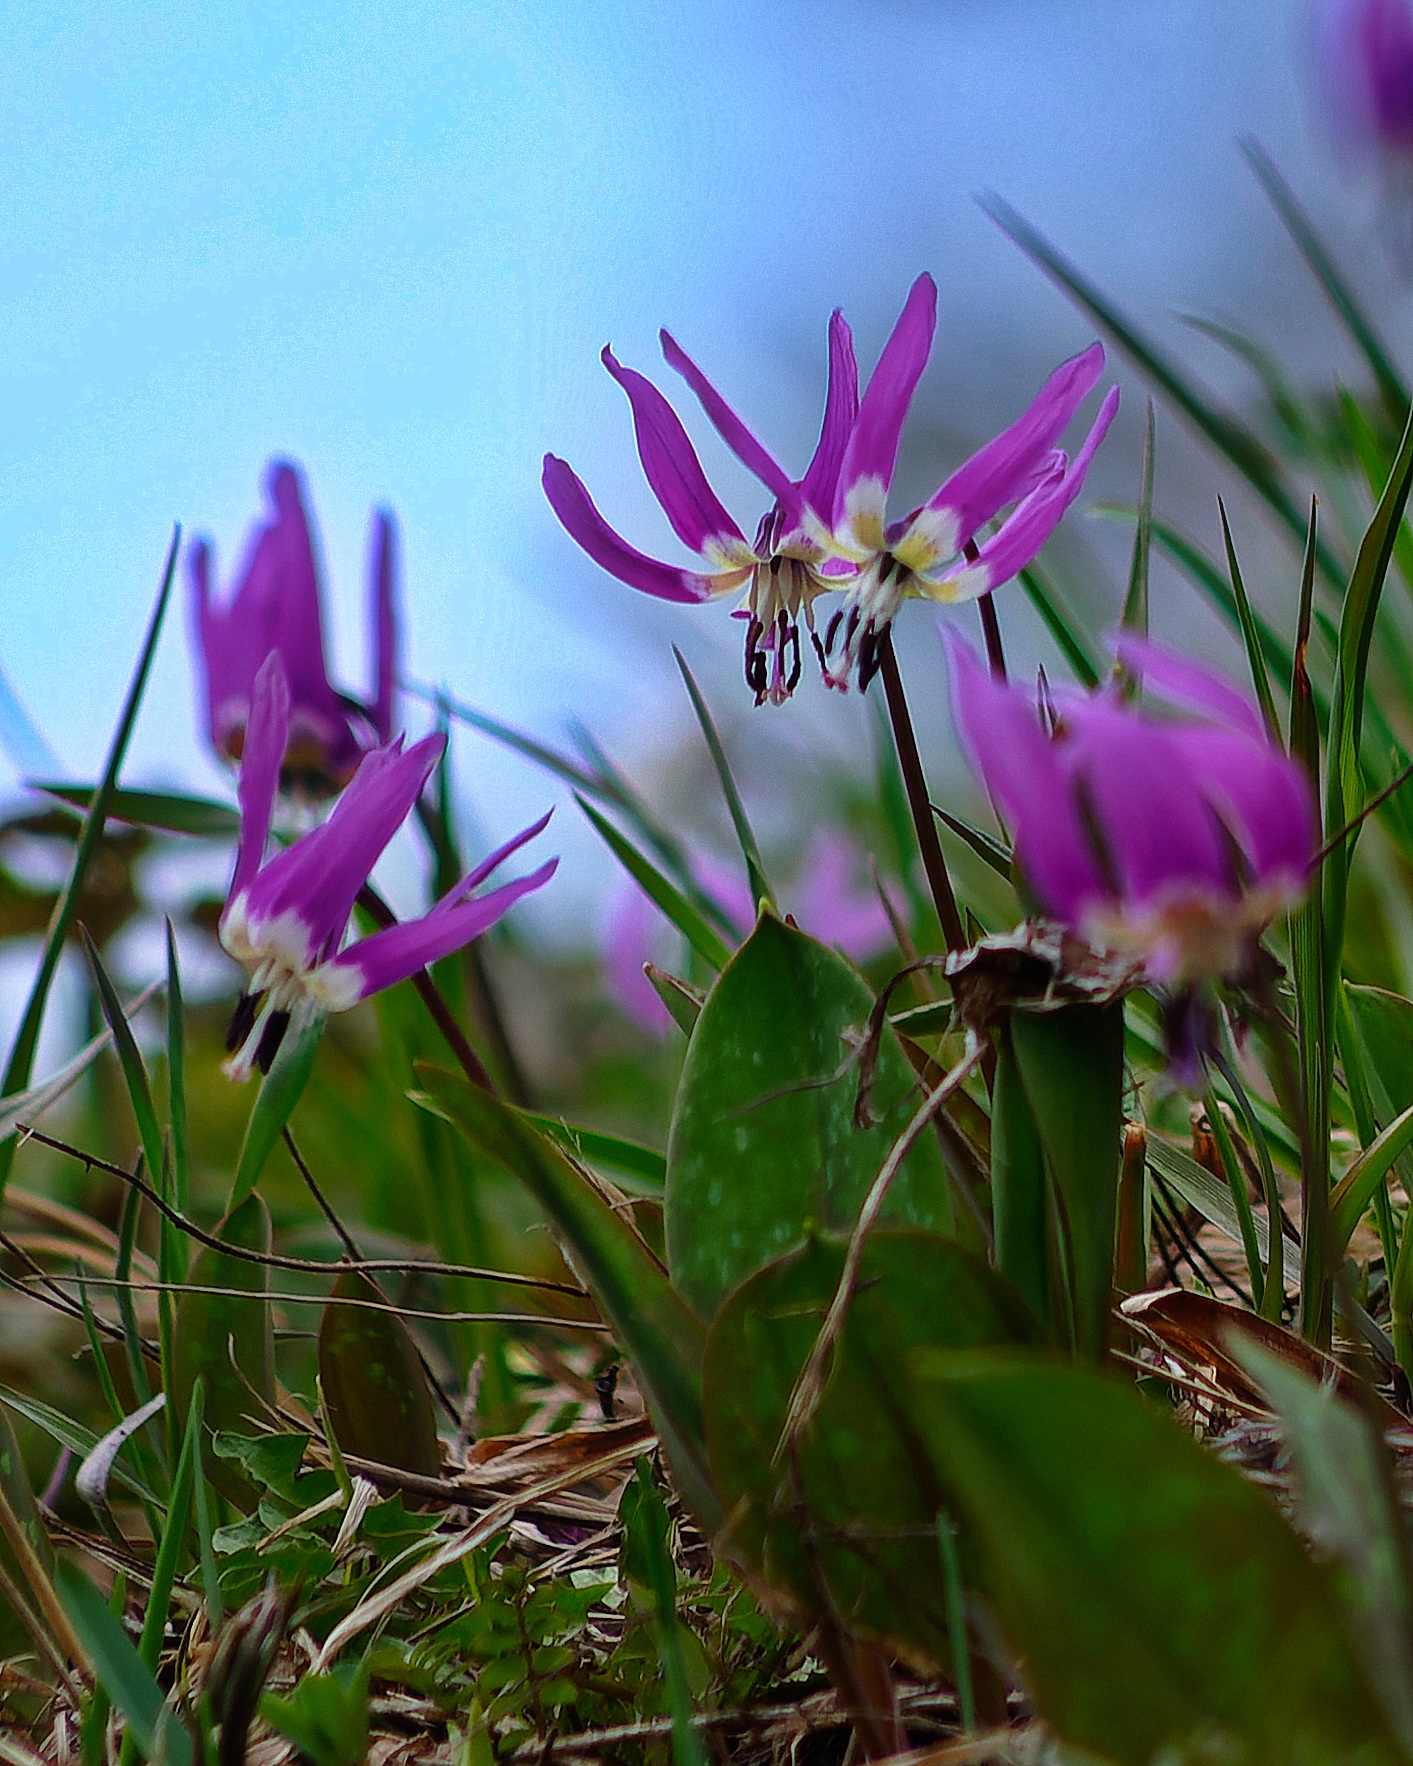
point(969, 584)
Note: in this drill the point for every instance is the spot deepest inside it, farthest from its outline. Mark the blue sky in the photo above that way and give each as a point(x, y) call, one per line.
point(390, 240)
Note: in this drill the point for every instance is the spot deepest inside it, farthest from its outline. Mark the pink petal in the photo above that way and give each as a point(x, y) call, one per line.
point(385, 958)
point(582, 521)
point(841, 407)
point(266, 733)
point(729, 426)
point(1021, 769)
point(1002, 472)
point(1192, 685)
point(1027, 528)
point(872, 450)
point(698, 517)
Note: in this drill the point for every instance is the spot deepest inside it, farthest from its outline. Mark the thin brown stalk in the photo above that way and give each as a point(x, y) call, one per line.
point(915, 784)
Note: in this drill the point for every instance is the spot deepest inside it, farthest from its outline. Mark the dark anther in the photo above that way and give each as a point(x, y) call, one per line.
point(794, 641)
point(270, 1039)
point(755, 661)
point(819, 650)
point(830, 636)
point(242, 1020)
point(870, 659)
point(775, 564)
point(606, 1384)
point(852, 627)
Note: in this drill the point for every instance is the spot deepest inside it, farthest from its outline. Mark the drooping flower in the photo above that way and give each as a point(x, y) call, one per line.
point(828, 900)
point(286, 918)
point(1366, 53)
point(1172, 839)
point(781, 571)
point(276, 605)
point(933, 553)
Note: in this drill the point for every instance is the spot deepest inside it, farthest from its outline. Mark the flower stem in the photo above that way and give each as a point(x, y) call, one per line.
point(910, 763)
point(991, 631)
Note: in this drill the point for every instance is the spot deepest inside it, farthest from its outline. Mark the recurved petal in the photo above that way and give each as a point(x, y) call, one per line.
point(1004, 470)
point(583, 523)
point(390, 956)
point(872, 451)
point(698, 516)
point(1022, 771)
point(747, 449)
point(1187, 683)
point(841, 407)
point(266, 733)
point(496, 859)
point(1027, 528)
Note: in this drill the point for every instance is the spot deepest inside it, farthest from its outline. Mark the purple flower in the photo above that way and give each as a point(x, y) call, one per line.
point(830, 902)
point(781, 571)
point(1173, 839)
point(286, 917)
point(276, 606)
point(1366, 63)
point(933, 553)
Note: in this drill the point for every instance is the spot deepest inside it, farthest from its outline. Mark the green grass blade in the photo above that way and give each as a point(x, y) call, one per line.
point(21, 1061)
point(1267, 369)
point(1374, 463)
point(280, 1090)
point(755, 869)
point(1135, 614)
point(1043, 598)
point(1251, 637)
point(992, 852)
point(656, 887)
point(1206, 576)
point(1233, 440)
point(176, 1076)
point(651, 1534)
point(1236, 1184)
point(169, 1549)
point(165, 812)
point(80, 1440)
point(644, 1170)
point(120, 1670)
point(1312, 248)
point(130, 1059)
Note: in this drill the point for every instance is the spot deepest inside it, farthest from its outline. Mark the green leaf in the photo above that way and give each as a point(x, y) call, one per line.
point(165, 812)
point(846, 1527)
point(1317, 256)
point(755, 869)
point(647, 1540)
point(326, 1716)
point(380, 1406)
point(174, 1529)
point(649, 1319)
point(121, 1672)
point(1352, 1195)
point(1250, 635)
point(21, 1062)
point(227, 1341)
point(1019, 1198)
point(682, 999)
point(26, 1107)
point(644, 1169)
point(656, 887)
point(280, 1090)
point(1135, 614)
point(1349, 1509)
point(1207, 1194)
point(1162, 1607)
point(1071, 1066)
point(763, 1150)
point(176, 1076)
